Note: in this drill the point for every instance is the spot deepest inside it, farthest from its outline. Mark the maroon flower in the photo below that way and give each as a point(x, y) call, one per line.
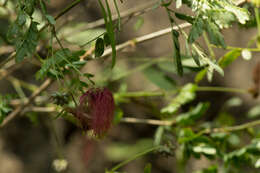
point(96, 110)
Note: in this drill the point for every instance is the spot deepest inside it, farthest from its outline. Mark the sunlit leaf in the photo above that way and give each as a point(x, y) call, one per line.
point(229, 57)
point(254, 112)
point(187, 94)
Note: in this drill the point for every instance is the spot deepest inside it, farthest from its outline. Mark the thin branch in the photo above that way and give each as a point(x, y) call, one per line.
point(232, 128)
point(38, 99)
point(144, 38)
point(133, 120)
point(20, 108)
point(147, 121)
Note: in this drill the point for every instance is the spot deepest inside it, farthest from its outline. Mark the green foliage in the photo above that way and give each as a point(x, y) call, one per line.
point(211, 169)
point(229, 57)
point(196, 30)
point(187, 94)
point(195, 113)
point(254, 112)
point(148, 168)
point(139, 23)
point(4, 107)
point(245, 154)
point(60, 63)
point(26, 45)
point(24, 38)
point(176, 52)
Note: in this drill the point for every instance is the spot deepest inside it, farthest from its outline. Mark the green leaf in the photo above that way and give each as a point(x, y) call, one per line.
point(254, 112)
point(234, 101)
point(204, 149)
point(176, 52)
point(196, 30)
point(200, 75)
point(27, 45)
point(215, 36)
point(158, 135)
point(55, 65)
point(118, 116)
point(139, 23)
point(159, 78)
point(185, 17)
point(211, 169)
point(99, 47)
point(148, 168)
point(241, 14)
point(257, 163)
point(43, 7)
point(4, 107)
point(29, 6)
point(194, 114)
point(167, 66)
point(50, 19)
point(229, 57)
point(21, 18)
point(187, 94)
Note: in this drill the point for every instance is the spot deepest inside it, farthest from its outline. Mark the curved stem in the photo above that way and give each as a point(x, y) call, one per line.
point(134, 157)
point(232, 128)
point(222, 89)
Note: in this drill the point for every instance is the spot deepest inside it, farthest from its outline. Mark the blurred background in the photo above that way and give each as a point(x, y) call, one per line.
point(37, 141)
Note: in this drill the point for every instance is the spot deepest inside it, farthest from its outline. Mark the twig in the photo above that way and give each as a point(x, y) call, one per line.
point(38, 99)
point(5, 72)
point(40, 109)
point(232, 128)
point(144, 38)
point(20, 108)
point(134, 158)
point(147, 121)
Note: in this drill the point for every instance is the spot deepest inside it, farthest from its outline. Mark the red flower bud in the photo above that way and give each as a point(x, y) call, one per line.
point(96, 110)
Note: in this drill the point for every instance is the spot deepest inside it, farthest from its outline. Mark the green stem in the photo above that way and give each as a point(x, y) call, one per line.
point(141, 94)
point(231, 128)
point(134, 158)
point(17, 86)
point(211, 52)
point(238, 48)
point(118, 13)
point(223, 89)
point(164, 93)
point(24, 84)
point(257, 20)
